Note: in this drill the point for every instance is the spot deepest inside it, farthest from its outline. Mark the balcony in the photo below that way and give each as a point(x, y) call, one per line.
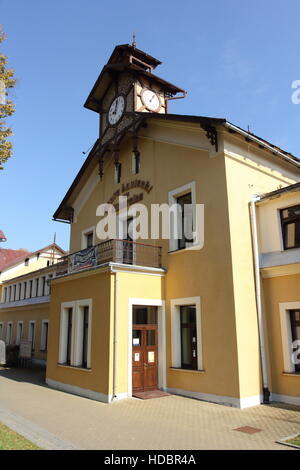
point(110, 251)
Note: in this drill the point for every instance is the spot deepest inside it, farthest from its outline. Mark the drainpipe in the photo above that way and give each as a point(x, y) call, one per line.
point(115, 338)
point(266, 392)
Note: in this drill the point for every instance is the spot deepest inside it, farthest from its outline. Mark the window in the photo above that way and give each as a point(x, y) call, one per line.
point(44, 336)
point(69, 335)
point(85, 336)
point(118, 172)
point(295, 331)
point(186, 220)
point(9, 333)
point(15, 292)
point(30, 288)
point(75, 334)
point(43, 285)
point(5, 294)
point(19, 332)
point(31, 335)
point(19, 291)
point(1, 330)
point(186, 333)
point(24, 290)
point(9, 295)
point(136, 162)
point(290, 224)
point(37, 287)
point(26, 262)
point(89, 239)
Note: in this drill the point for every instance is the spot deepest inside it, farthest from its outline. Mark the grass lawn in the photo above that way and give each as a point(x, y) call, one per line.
point(295, 440)
point(10, 440)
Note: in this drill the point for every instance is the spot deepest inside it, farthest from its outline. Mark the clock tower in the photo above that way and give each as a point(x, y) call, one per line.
point(126, 89)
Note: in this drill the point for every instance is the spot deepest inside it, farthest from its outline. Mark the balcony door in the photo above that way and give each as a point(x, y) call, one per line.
point(128, 249)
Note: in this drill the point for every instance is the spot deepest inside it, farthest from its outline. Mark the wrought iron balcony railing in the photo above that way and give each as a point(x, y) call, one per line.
point(117, 251)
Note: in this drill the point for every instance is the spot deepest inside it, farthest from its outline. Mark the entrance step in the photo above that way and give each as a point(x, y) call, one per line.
point(150, 394)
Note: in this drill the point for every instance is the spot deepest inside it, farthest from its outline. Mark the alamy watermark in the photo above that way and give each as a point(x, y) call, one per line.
point(162, 221)
point(296, 94)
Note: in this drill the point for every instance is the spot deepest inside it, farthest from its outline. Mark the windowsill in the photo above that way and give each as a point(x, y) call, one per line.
point(197, 371)
point(182, 250)
point(75, 367)
point(291, 374)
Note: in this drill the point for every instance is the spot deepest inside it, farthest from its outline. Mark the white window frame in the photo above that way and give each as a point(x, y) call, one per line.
point(32, 322)
point(18, 335)
point(76, 340)
point(286, 334)
point(176, 331)
point(172, 197)
point(43, 335)
point(84, 234)
point(9, 329)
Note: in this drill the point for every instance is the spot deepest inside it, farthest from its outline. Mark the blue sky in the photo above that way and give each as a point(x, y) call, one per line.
point(236, 59)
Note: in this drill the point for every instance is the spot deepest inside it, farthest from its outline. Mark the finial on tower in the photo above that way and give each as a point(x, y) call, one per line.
point(133, 40)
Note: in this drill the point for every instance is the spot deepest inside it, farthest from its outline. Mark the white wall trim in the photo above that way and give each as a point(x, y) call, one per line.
point(222, 400)
point(83, 392)
point(175, 330)
point(291, 400)
point(24, 302)
point(161, 322)
point(172, 198)
point(286, 334)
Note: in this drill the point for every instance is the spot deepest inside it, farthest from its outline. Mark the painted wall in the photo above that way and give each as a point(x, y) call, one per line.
point(97, 288)
point(36, 313)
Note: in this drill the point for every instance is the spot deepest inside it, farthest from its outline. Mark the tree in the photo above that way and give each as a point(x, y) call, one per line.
point(7, 107)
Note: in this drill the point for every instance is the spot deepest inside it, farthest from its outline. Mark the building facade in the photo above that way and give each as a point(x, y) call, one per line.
point(199, 318)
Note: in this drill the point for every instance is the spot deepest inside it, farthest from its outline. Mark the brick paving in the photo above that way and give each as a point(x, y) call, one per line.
point(169, 422)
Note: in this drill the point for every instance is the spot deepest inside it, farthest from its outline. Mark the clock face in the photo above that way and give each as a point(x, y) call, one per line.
point(151, 99)
point(116, 110)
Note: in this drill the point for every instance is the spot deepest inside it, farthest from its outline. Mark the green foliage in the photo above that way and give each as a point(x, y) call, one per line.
point(7, 108)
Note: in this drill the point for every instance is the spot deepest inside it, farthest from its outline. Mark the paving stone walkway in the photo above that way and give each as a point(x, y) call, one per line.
point(55, 419)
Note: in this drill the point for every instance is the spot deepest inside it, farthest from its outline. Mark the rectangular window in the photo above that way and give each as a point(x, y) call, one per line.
point(5, 294)
point(15, 292)
point(43, 285)
point(186, 220)
point(31, 335)
point(290, 224)
point(30, 288)
point(85, 336)
point(37, 287)
point(9, 333)
point(89, 239)
point(24, 290)
point(136, 162)
point(9, 295)
point(19, 291)
point(188, 333)
point(118, 172)
point(44, 336)
point(295, 330)
point(19, 332)
point(1, 330)
point(69, 335)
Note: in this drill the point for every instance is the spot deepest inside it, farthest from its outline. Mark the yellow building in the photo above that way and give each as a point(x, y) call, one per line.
point(187, 315)
point(25, 295)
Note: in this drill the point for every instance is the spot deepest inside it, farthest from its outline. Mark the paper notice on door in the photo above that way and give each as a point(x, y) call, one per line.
point(136, 357)
point(136, 341)
point(150, 356)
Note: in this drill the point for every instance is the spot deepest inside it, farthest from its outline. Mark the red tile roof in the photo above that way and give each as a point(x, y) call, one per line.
point(8, 257)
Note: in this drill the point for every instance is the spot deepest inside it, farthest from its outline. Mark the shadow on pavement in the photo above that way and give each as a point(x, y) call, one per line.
point(34, 375)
